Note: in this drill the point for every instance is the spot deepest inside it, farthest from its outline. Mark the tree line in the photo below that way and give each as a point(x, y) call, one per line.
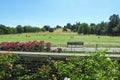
point(111, 28)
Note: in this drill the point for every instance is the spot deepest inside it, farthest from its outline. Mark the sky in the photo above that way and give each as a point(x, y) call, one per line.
point(56, 12)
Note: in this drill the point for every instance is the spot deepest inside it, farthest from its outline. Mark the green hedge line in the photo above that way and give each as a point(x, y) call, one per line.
point(95, 67)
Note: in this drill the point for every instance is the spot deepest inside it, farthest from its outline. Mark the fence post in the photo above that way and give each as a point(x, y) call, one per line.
point(96, 47)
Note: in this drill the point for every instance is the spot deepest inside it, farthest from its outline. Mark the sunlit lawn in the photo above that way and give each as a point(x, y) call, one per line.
point(62, 38)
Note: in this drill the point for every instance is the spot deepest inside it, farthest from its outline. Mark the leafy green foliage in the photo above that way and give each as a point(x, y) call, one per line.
point(96, 67)
point(46, 27)
point(83, 28)
point(51, 30)
point(19, 29)
point(114, 21)
point(111, 28)
point(9, 70)
point(3, 29)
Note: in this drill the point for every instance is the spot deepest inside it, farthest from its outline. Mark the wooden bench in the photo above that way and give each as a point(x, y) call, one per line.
point(75, 44)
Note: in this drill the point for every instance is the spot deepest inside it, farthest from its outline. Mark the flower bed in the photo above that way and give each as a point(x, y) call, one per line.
point(34, 46)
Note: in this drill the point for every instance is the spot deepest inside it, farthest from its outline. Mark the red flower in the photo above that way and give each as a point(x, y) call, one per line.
point(5, 54)
point(48, 44)
point(41, 43)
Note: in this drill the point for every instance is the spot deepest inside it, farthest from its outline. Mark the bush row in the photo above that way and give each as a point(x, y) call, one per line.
point(95, 67)
point(33, 46)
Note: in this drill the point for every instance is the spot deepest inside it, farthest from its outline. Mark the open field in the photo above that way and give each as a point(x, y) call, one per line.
point(62, 38)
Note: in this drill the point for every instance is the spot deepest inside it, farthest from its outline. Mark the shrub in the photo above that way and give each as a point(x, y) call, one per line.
point(48, 46)
point(96, 67)
point(34, 46)
point(59, 50)
point(51, 30)
point(9, 70)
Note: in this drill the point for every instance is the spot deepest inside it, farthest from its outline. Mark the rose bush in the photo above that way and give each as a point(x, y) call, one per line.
point(48, 46)
point(8, 70)
point(96, 67)
point(34, 46)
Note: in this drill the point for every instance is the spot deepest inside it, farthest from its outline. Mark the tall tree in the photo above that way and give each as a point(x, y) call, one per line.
point(93, 29)
point(73, 28)
point(92, 24)
point(3, 29)
point(114, 20)
point(19, 29)
point(68, 26)
point(77, 25)
point(116, 29)
point(101, 28)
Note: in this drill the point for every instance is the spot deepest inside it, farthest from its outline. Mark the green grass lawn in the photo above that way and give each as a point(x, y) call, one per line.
point(62, 38)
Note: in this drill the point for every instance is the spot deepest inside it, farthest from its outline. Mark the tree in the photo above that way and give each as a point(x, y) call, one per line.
point(47, 27)
point(116, 29)
point(114, 20)
point(3, 29)
point(84, 28)
point(68, 26)
point(58, 26)
point(31, 29)
point(19, 29)
point(8, 30)
point(42, 30)
point(74, 28)
point(25, 29)
point(101, 28)
point(13, 30)
point(36, 29)
point(51, 30)
point(77, 25)
point(28, 29)
point(92, 24)
point(64, 29)
point(93, 29)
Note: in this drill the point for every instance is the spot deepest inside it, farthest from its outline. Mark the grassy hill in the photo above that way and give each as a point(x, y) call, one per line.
point(59, 37)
